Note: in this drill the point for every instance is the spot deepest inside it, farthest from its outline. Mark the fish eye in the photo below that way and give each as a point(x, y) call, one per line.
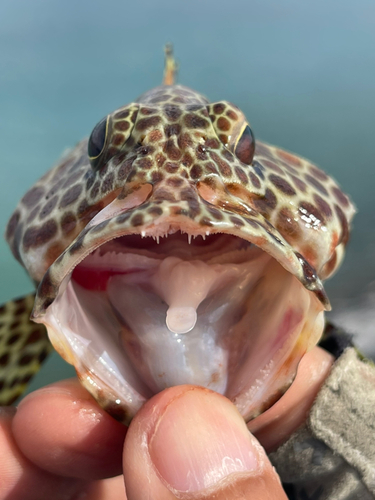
point(97, 142)
point(245, 146)
point(233, 130)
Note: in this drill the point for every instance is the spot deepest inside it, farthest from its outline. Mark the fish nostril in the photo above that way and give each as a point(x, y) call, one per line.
point(141, 147)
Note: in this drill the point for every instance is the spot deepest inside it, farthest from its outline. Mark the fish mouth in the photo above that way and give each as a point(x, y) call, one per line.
point(138, 308)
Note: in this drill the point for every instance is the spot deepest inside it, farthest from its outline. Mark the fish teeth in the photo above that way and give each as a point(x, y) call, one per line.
point(96, 255)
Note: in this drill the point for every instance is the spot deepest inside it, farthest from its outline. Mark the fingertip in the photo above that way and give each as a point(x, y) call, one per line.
point(61, 429)
point(20, 478)
point(193, 442)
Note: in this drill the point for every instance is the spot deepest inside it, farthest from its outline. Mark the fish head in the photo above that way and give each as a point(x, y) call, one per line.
point(171, 247)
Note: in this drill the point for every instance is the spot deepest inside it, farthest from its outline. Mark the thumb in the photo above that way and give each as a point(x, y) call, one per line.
point(190, 442)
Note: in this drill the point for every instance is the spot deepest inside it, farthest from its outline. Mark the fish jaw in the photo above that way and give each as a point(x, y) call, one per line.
point(135, 353)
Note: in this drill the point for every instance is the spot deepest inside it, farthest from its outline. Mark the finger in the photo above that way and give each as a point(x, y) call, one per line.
point(19, 478)
point(61, 429)
point(277, 424)
point(193, 442)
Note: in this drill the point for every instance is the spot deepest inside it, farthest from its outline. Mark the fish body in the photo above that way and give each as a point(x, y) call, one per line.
point(171, 247)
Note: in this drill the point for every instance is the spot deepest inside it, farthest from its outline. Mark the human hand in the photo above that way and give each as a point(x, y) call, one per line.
point(61, 445)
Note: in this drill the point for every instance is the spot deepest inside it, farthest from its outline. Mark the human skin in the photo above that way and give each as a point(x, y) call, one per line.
point(186, 442)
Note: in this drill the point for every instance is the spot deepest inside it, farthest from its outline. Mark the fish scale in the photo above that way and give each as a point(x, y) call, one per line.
point(171, 161)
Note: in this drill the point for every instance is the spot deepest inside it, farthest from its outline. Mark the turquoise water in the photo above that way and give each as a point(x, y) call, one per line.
point(303, 72)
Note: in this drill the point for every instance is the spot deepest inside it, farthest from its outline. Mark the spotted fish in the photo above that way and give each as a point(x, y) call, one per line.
point(171, 247)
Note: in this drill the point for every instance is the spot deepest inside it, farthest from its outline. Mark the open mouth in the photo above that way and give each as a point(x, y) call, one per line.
point(140, 314)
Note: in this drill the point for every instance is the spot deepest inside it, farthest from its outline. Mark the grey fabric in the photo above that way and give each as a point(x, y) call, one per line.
point(332, 457)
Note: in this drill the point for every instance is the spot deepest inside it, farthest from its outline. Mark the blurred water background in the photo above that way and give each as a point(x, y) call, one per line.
point(303, 72)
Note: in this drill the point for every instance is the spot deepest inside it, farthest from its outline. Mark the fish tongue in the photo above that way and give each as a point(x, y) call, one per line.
point(181, 319)
point(183, 286)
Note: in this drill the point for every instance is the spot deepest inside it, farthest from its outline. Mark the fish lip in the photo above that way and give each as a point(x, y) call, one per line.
point(148, 218)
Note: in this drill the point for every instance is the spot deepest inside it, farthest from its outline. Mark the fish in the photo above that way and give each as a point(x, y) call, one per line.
point(172, 247)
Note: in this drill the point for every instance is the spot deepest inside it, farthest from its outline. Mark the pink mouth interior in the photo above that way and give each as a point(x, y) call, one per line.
point(219, 312)
point(96, 278)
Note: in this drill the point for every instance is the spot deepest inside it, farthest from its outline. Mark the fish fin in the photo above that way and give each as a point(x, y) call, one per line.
point(24, 345)
point(170, 68)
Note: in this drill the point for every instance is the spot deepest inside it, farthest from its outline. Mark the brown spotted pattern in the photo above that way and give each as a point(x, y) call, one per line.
point(174, 140)
point(23, 347)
